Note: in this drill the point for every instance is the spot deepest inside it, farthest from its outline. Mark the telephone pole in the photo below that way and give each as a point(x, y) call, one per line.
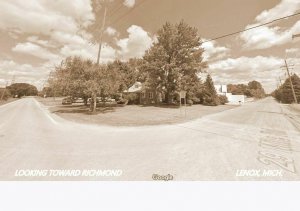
point(291, 83)
point(101, 34)
point(280, 81)
point(295, 36)
point(4, 90)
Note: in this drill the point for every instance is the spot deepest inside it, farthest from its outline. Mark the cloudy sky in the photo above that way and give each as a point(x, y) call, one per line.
point(35, 35)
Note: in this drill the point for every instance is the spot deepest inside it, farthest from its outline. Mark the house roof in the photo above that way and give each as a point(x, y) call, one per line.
point(136, 87)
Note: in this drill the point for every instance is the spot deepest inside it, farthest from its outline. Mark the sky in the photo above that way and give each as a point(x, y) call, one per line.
point(36, 35)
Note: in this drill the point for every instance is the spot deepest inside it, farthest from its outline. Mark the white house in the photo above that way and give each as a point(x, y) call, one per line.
point(232, 99)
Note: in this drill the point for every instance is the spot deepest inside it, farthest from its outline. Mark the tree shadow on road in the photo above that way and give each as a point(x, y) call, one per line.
point(83, 110)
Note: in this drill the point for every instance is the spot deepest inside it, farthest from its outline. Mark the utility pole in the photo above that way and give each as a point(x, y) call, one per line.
point(4, 90)
point(13, 80)
point(295, 36)
point(280, 81)
point(291, 83)
point(101, 34)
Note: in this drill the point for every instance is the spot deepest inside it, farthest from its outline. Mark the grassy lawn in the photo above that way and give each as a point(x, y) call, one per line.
point(130, 115)
point(295, 107)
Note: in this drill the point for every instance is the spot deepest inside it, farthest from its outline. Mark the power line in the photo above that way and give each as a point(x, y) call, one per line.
point(260, 25)
point(115, 10)
point(125, 14)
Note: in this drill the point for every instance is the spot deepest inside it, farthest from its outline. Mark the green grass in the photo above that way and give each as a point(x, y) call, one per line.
point(131, 115)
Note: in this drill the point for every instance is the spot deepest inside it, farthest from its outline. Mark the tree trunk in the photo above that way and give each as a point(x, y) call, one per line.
point(95, 103)
point(169, 97)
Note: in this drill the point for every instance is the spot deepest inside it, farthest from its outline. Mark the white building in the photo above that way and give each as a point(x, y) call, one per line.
point(232, 99)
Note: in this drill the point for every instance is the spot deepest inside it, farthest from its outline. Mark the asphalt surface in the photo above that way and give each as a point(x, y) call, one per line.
point(253, 138)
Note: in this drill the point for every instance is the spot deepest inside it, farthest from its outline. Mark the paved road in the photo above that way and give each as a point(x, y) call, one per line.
point(255, 137)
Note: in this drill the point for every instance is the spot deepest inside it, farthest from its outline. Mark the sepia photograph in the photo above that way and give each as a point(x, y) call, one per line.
point(150, 90)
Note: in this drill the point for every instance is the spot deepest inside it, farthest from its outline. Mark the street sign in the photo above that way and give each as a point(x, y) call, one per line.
point(182, 94)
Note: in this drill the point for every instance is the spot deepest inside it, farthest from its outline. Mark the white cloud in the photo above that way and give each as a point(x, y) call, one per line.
point(75, 45)
point(212, 51)
point(247, 63)
point(36, 40)
point(129, 3)
point(266, 37)
point(2, 83)
point(26, 73)
point(292, 50)
point(52, 31)
point(244, 69)
point(42, 16)
point(284, 8)
point(136, 44)
point(35, 50)
point(269, 36)
point(67, 38)
point(89, 52)
point(111, 31)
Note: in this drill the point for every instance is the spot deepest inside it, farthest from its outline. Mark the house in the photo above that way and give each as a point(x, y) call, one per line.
point(232, 99)
point(144, 96)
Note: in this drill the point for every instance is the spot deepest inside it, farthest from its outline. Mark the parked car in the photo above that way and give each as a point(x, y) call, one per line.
point(99, 100)
point(67, 101)
point(109, 100)
point(78, 100)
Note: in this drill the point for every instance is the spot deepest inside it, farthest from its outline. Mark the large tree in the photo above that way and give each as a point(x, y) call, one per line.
point(174, 60)
point(4, 94)
point(284, 93)
point(128, 72)
point(252, 89)
point(210, 96)
point(237, 89)
point(77, 77)
point(256, 90)
point(22, 89)
point(69, 78)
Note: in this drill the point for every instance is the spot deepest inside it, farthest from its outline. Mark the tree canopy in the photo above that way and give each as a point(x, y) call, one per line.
point(210, 96)
point(252, 89)
point(4, 94)
point(77, 77)
point(173, 62)
point(22, 89)
point(284, 93)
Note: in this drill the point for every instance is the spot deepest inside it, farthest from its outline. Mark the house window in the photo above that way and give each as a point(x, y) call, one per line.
point(150, 95)
point(143, 95)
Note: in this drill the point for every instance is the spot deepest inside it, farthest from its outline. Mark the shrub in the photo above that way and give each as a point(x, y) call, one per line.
point(122, 101)
point(196, 100)
point(132, 98)
point(223, 99)
point(189, 102)
point(4, 93)
point(211, 100)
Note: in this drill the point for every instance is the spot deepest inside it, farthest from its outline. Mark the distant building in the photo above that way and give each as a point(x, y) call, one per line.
point(232, 99)
point(221, 89)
